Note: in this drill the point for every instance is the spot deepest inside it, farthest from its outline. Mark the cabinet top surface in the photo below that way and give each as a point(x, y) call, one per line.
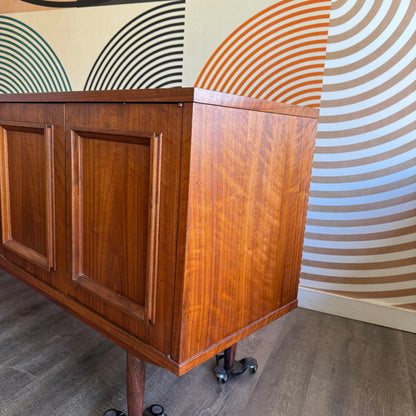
point(162, 95)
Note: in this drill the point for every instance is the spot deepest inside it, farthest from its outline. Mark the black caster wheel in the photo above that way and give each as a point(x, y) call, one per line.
point(253, 370)
point(154, 410)
point(222, 375)
point(114, 412)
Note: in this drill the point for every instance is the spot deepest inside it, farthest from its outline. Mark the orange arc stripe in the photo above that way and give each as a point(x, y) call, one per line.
point(275, 77)
point(279, 35)
point(280, 89)
point(316, 98)
point(213, 75)
point(290, 98)
point(236, 31)
point(249, 75)
point(289, 81)
point(295, 94)
point(276, 31)
point(255, 78)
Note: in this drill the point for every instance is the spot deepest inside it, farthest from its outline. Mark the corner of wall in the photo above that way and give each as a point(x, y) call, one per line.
point(360, 310)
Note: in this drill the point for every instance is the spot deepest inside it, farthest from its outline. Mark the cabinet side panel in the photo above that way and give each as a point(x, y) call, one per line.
point(242, 242)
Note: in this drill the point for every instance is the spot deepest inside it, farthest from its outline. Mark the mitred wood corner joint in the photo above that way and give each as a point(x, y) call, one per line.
point(171, 220)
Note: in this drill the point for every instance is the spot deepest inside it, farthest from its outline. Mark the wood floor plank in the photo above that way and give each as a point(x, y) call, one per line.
point(310, 364)
point(409, 348)
point(282, 389)
point(359, 369)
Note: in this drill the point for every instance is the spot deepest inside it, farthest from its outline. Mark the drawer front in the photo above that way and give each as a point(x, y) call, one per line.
point(123, 177)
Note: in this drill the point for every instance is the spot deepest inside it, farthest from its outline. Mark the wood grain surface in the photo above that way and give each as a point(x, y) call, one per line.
point(135, 384)
point(246, 206)
point(33, 190)
point(178, 213)
point(123, 211)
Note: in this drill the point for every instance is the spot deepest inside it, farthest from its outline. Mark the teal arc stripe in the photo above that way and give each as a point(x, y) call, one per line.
point(29, 63)
point(4, 88)
point(22, 70)
point(15, 85)
point(48, 52)
point(22, 47)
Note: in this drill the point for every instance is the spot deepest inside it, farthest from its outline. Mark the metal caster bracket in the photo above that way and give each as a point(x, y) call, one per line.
point(227, 367)
point(153, 410)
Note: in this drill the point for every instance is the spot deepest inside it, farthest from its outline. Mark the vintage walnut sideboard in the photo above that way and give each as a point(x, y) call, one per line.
point(169, 220)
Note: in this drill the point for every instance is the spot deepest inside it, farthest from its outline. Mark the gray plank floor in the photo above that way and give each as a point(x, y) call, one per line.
point(310, 364)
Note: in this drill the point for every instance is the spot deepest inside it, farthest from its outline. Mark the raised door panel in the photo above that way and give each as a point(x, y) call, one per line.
point(122, 260)
point(28, 190)
point(115, 200)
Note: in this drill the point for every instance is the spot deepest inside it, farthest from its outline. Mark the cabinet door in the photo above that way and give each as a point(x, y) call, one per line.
point(32, 190)
point(123, 199)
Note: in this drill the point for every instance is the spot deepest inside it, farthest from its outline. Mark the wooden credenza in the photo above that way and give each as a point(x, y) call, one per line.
point(171, 221)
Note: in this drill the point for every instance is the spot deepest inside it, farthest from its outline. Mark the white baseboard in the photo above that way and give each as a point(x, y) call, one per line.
point(360, 310)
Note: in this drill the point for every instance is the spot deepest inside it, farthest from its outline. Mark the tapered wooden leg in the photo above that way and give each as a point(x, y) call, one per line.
point(135, 371)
